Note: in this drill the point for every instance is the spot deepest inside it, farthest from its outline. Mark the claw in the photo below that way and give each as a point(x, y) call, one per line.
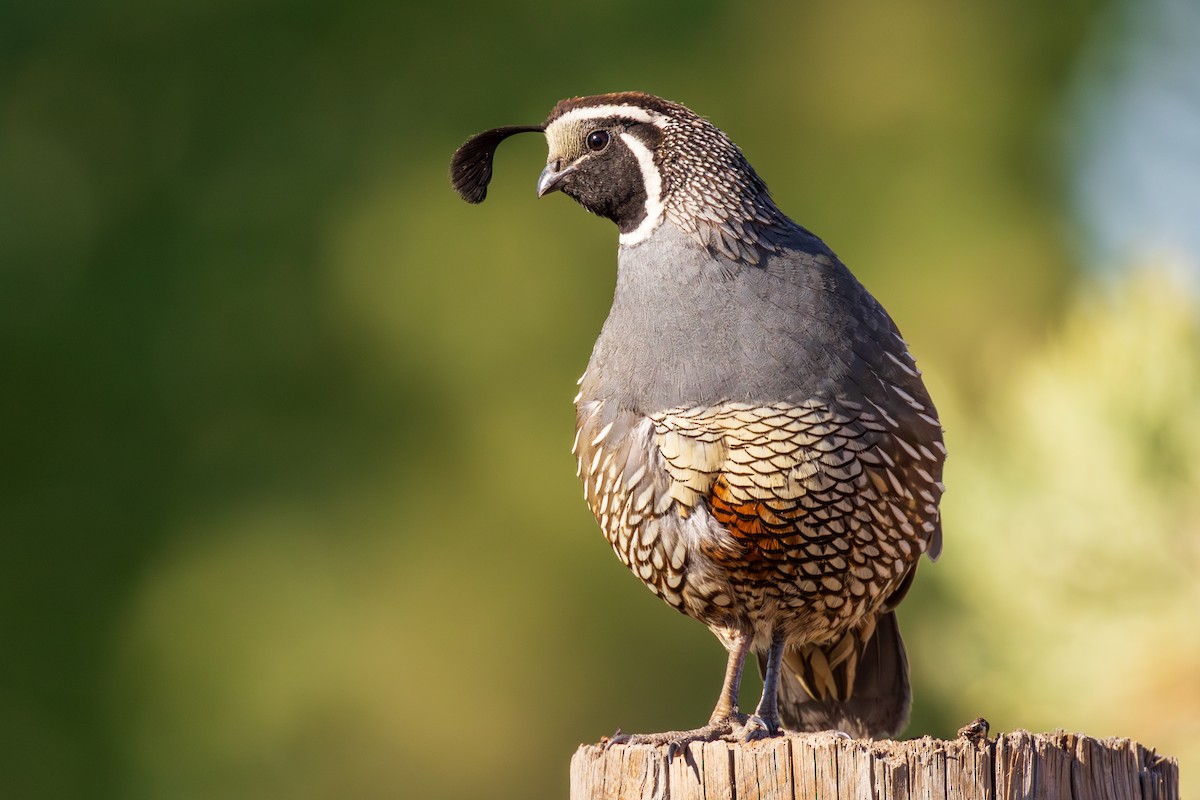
point(617, 738)
point(755, 728)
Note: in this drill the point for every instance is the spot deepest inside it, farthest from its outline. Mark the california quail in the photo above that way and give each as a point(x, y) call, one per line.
point(752, 433)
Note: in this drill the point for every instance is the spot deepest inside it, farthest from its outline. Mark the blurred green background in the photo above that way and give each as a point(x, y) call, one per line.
point(288, 505)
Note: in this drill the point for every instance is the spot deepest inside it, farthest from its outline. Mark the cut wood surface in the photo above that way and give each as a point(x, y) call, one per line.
point(826, 766)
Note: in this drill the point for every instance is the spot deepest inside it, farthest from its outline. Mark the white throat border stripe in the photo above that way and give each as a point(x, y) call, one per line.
point(652, 181)
point(608, 112)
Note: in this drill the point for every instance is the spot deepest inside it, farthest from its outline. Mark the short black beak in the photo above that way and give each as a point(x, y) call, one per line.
point(552, 178)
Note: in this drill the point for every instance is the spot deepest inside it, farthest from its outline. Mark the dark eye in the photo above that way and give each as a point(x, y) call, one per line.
point(597, 141)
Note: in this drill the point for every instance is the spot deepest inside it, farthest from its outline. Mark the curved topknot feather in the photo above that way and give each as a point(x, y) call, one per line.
point(471, 166)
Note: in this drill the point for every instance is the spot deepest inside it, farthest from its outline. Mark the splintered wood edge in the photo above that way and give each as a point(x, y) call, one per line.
point(1020, 764)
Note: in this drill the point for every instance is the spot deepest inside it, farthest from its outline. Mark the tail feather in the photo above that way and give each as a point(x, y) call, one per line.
point(858, 684)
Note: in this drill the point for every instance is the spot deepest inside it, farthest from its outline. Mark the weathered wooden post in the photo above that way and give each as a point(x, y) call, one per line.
point(825, 766)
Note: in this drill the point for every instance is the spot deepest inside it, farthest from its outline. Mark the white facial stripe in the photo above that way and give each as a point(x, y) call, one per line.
point(608, 112)
point(653, 183)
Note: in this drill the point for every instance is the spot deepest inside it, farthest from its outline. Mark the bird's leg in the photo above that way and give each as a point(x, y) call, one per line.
point(764, 721)
point(725, 720)
point(727, 704)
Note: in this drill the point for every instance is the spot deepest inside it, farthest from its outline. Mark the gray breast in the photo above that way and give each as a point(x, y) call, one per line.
point(687, 327)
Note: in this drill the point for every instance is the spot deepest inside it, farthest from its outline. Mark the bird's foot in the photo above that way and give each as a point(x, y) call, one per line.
point(679, 740)
point(734, 728)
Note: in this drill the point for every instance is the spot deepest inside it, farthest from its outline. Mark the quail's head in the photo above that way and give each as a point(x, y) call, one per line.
point(636, 159)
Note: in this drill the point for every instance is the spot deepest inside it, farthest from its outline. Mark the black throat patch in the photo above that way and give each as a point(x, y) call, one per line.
point(612, 184)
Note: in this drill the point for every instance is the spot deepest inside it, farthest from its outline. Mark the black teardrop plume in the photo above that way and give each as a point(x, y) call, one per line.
point(471, 166)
